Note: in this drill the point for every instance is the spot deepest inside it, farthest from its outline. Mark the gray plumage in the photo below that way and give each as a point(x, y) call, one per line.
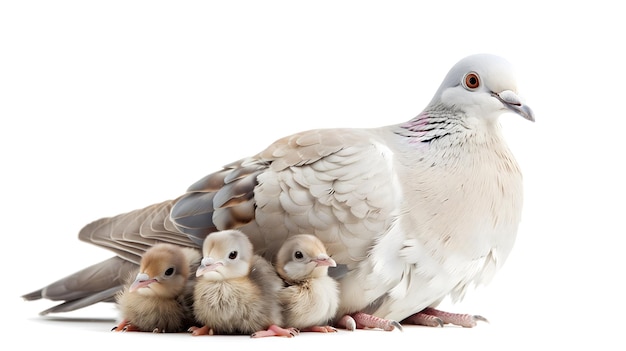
point(159, 297)
point(415, 211)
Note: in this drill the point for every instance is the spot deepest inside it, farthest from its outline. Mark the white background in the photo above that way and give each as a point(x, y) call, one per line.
point(110, 106)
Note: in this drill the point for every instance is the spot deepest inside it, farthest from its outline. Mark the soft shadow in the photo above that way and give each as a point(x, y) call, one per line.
point(74, 319)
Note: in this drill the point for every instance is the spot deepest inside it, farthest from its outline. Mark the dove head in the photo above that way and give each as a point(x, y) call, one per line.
point(483, 86)
point(302, 257)
point(226, 255)
point(163, 272)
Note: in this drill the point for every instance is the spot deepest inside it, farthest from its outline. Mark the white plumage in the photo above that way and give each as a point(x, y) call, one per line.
point(310, 297)
point(415, 211)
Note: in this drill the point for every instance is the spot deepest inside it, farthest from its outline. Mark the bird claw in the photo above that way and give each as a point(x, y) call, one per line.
point(196, 331)
point(480, 318)
point(122, 326)
point(396, 324)
point(130, 328)
point(127, 327)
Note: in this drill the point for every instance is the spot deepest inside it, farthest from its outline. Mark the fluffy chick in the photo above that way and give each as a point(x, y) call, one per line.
point(160, 296)
point(236, 291)
point(310, 297)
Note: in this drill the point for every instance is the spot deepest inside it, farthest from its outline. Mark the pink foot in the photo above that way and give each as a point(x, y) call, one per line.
point(320, 329)
point(121, 325)
point(435, 318)
point(125, 326)
point(275, 330)
point(196, 331)
point(360, 320)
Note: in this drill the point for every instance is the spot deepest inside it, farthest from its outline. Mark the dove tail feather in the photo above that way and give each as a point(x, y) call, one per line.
point(35, 295)
point(107, 295)
point(130, 234)
point(96, 283)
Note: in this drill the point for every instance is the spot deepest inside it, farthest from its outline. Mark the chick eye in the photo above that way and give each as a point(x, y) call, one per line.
point(471, 81)
point(169, 271)
point(298, 255)
point(232, 255)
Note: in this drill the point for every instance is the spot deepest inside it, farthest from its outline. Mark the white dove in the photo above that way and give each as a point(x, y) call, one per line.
point(414, 212)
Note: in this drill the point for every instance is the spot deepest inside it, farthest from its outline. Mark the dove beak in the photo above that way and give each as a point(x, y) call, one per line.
point(323, 260)
point(142, 281)
point(513, 103)
point(207, 265)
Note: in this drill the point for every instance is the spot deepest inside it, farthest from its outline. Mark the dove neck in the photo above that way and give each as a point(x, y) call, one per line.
point(451, 138)
point(432, 124)
point(440, 125)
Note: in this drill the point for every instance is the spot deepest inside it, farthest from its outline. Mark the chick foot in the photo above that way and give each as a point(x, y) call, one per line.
point(275, 330)
point(320, 329)
point(125, 326)
point(197, 331)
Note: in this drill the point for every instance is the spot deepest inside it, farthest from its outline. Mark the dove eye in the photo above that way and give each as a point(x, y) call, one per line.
point(298, 255)
point(232, 255)
point(471, 81)
point(169, 271)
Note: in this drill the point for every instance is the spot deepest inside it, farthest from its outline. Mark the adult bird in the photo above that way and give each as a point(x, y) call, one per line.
point(414, 212)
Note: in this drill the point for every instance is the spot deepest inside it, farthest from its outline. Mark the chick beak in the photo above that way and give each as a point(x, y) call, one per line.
point(207, 264)
point(141, 281)
point(325, 260)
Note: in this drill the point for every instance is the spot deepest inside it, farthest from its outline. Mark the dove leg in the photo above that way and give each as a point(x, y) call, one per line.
point(435, 318)
point(275, 330)
point(360, 320)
